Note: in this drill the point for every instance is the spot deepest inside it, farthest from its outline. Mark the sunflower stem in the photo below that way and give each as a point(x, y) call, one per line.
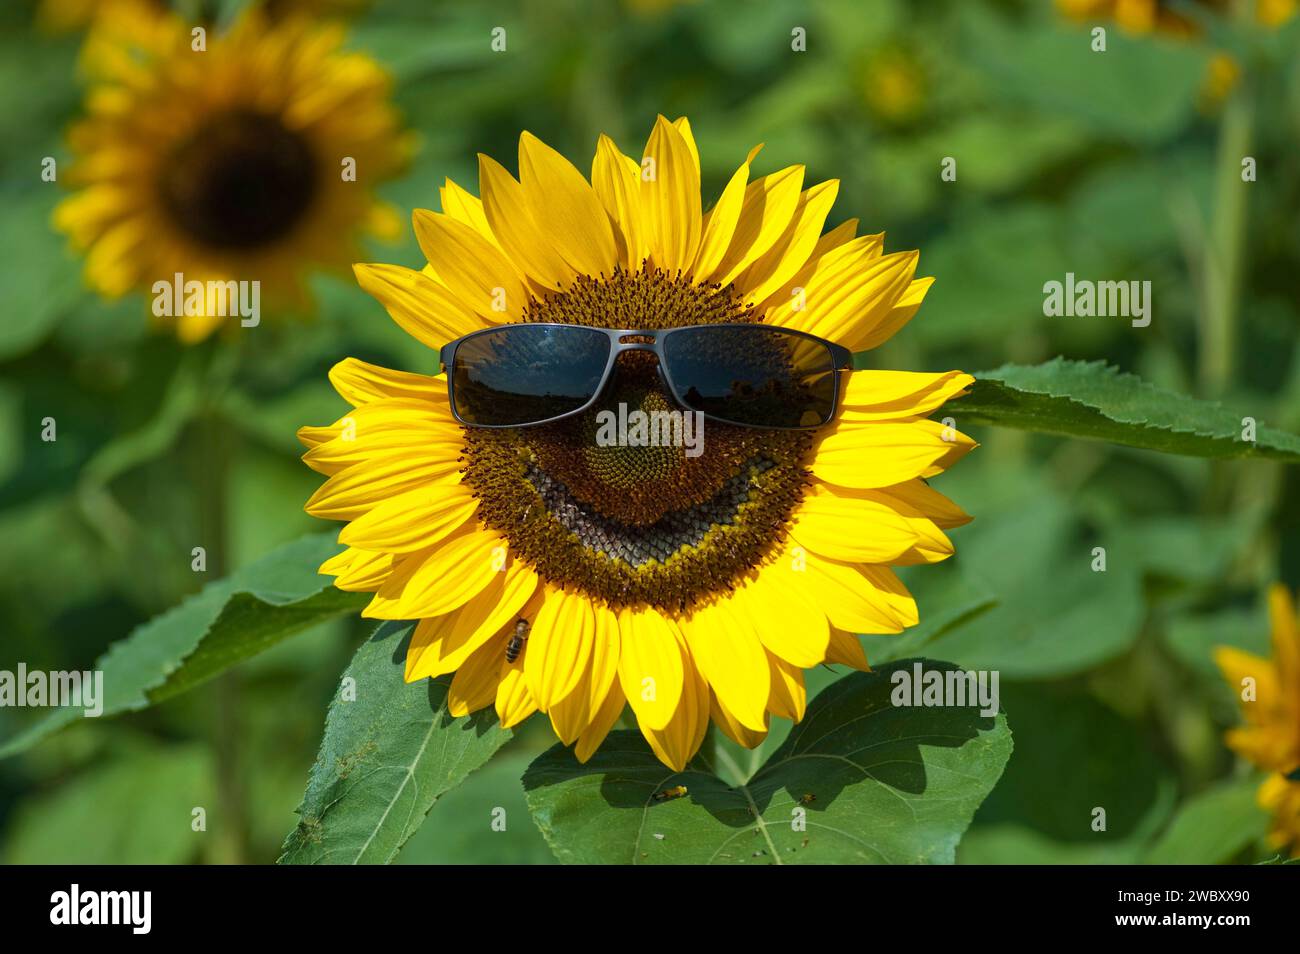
point(1224, 247)
point(214, 452)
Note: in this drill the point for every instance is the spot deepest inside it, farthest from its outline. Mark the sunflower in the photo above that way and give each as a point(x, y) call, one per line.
point(1271, 736)
point(229, 163)
point(688, 588)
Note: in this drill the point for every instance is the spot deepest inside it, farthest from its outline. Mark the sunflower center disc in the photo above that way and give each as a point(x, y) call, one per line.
point(638, 524)
point(240, 181)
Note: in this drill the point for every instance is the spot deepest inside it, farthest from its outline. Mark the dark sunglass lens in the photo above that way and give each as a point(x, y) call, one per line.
point(523, 374)
point(752, 374)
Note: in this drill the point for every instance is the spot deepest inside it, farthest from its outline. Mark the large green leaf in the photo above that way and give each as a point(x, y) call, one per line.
point(391, 749)
point(877, 783)
point(1212, 827)
point(1095, 401)
point(226, 622)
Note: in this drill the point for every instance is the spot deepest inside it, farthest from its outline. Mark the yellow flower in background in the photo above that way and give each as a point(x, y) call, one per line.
point(226, 163)
point(1270, 738)
point(895, 85)
point(687, 587)
point(1161, 16)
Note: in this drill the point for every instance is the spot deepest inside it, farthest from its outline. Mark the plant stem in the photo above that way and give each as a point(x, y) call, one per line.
point(214, 454)
point(1224, 247)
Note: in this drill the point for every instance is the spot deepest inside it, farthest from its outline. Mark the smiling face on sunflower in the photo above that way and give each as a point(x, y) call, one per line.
point(550, 571)
point(1270, 738)
point(232, 162)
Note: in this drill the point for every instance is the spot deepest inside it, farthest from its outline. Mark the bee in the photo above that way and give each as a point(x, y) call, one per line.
point(667, 794)
point(517, 640)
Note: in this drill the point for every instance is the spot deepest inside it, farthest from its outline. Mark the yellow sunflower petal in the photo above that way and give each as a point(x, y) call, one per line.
point(670, 199)
point(478, 273)
point(1237, 665)
point(787, 620)
point(925, 500)
point(791, 250)
point(514, 702)
point(359, 571)
point(558, 195)
point(474, 686)
point(789, 695)
point(765, 212)
point(358, 489)
point(730, 657)
point(440, 644)
point(860, 526)
point(524, 240)
point(846, 299)
point(719, 225)
point(412, 521)
point(869, 599)
point(732, 727)
point(572, 714)
point(881, 454)
point(359, 382)
point(889, 395)
point(839, 241)
point(903, 311)
point(846, 650)
point(677, 742)
point(616, 178)
point(465, 207)
point(441, 579)
point(650, 665)
point(596, 731)
point(424, 309)
point(560, 646)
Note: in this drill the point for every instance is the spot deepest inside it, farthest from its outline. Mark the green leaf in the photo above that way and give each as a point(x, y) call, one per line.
point(1054, 616)
point(1073, 756)
point(134, 810)
point(1212, 827)
point(459, 828)
point(1095, 401)
point(391, 749)
point(225, 623)
point(878, 783)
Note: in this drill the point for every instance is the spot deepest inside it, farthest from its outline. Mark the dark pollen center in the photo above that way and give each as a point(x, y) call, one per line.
point(241, 181)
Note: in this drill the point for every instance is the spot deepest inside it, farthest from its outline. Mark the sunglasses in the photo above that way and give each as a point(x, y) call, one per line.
point(752, 375)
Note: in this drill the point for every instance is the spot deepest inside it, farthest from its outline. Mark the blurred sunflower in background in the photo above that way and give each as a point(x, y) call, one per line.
point(1270, 738)
point(250, 155)
point(714, 580)
point(895, 84)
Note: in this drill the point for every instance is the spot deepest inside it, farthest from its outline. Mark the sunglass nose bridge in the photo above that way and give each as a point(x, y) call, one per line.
point(636, 339)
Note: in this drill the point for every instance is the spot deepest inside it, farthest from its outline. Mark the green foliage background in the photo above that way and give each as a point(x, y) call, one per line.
point(1108, 165)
